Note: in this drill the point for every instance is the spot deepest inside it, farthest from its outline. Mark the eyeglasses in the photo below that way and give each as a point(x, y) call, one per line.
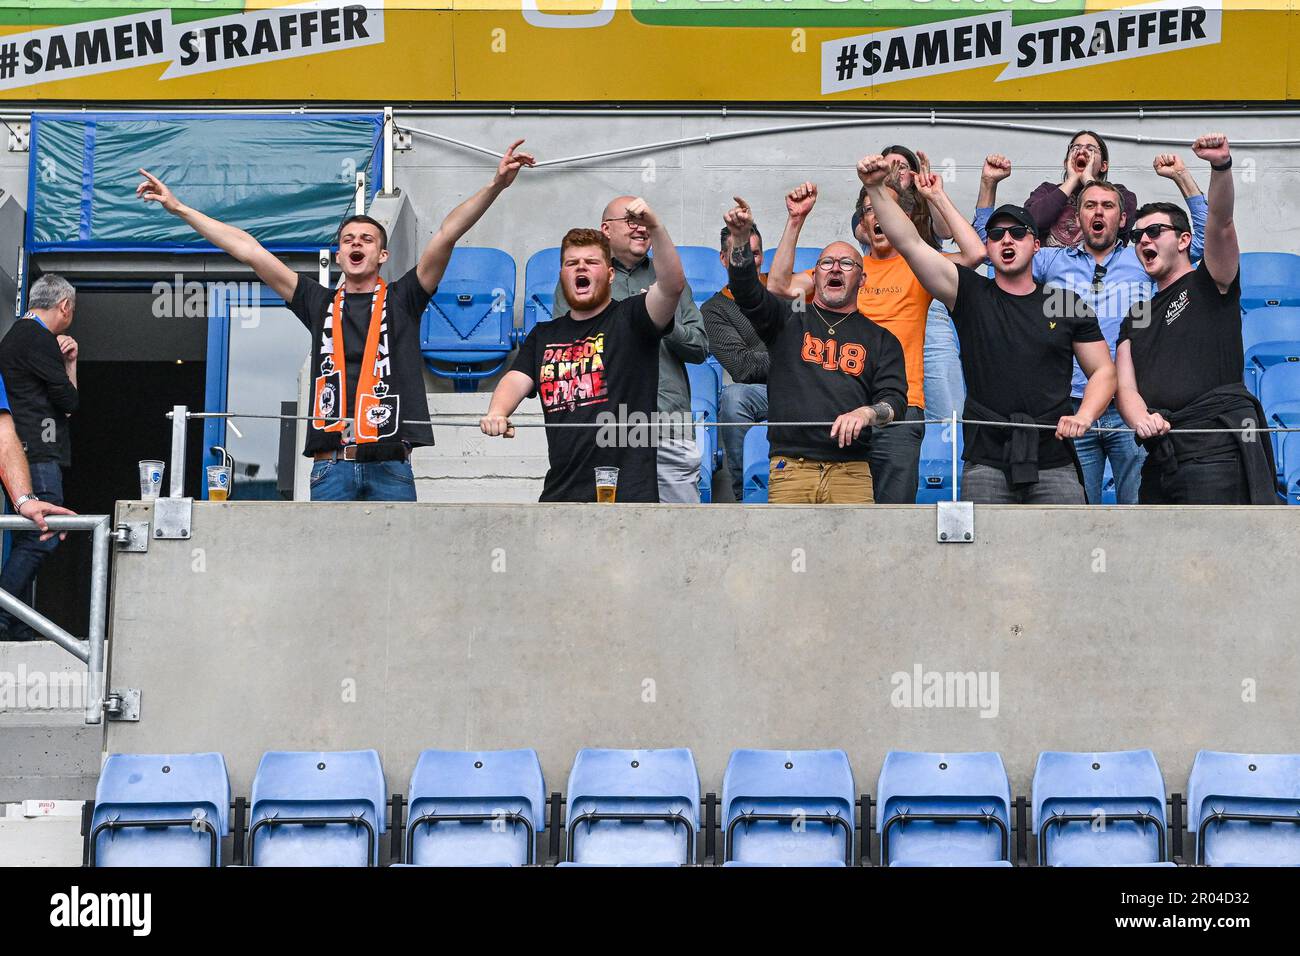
point(1098, 274)
point(1086, 148)
point(996, 233)
point(1151, 232)
point(627, 221)
point(847, 264)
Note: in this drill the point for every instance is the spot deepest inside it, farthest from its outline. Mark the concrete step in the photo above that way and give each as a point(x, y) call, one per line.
point(40, 841)
point(47, 751)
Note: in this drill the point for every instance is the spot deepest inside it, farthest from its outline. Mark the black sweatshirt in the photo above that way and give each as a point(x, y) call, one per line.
point(40, 393)
point(816, 375)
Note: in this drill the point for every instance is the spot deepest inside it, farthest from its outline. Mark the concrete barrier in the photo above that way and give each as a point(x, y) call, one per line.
point(403, 627)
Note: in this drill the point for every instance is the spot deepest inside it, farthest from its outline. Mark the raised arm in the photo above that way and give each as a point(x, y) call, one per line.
point(670, 279)
point(969, 244)
point(436, 255)
point(236, 242)
point(1222, 253)
point(996, 168)
point(939, 225)
point(766, 313)
point(1170, 166)
point(937, 273)
point(513, 388)
point(781, 279)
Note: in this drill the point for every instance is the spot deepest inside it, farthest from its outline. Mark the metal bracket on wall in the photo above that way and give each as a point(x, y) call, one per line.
point(171, 517)
point(132, 536)
point(956, 522)
point(20, 137)
point(123, 704)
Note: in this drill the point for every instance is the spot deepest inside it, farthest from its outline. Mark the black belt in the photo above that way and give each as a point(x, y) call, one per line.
point(385, 451)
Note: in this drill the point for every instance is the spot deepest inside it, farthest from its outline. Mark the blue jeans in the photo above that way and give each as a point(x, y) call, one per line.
point(740, 403)
point(362, 481)
point(945, 386)
point(27, 550)
point(1126, 458)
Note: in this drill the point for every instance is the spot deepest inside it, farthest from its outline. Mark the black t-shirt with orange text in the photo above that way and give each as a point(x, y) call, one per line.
point(580, 369)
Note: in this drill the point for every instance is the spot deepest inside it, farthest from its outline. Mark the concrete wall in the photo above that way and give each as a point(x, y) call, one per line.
point(403, 627)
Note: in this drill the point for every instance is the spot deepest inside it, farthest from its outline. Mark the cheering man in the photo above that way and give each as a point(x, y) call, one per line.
point(828, 361)
point(367, 368)
point(597, 364)
point(1180, 357)
point(1016, 350)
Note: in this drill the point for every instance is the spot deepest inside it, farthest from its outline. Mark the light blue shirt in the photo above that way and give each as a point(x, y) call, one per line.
point(1124, 283)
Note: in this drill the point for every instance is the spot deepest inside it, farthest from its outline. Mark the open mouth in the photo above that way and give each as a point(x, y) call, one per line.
point(1148, 255)
point(1098, 226)
point(835, 282)
point(878, 231)
point(582, 283)
point(356, 257)
point(1008, 254)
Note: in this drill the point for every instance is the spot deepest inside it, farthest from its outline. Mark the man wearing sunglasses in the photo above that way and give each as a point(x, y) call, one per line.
point(1016, 356)
point(1180, 357)
point(677, 454)
point(1105, 273)
point(829, 362)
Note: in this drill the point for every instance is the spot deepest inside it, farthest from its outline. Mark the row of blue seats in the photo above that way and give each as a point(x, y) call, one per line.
point(468, 330)
point(644, 808)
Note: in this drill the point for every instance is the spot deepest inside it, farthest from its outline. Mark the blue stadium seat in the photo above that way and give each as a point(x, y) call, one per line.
point(757, 459)
point(706, 392)
point(1269, 279)
point(944, 809)
point(160, 810)
point(1289, 464)
point(705, 273)
point(1279, 393)
point(633, 807)
point(805, 257)
point(934, 478)
point(1245, 809)
point(765, 793)
point(704, 439)
point(1100, 809)
point(469, 323)
point(1269, 337)
point(475, 809)
point(317, 809)
point(541, 275)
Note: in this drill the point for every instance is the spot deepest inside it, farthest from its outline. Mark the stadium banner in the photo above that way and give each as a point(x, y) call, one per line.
point(515, 51)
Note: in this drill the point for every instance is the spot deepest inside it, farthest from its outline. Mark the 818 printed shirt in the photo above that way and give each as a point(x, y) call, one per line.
point(580, 369)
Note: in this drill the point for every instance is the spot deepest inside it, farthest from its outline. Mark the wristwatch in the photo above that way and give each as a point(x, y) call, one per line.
point(18, 505)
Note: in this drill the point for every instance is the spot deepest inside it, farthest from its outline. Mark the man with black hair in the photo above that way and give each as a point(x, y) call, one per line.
point(743, 354)
point(366, 364)
point(1016, 356)
point(1180, 357)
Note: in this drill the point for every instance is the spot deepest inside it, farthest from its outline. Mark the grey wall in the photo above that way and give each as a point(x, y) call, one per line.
point(1107, 628)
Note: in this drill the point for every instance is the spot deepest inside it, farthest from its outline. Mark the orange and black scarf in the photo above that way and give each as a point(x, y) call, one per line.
point(377, 411)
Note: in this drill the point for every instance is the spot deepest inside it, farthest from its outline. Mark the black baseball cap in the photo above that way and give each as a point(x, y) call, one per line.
point(1018, 213)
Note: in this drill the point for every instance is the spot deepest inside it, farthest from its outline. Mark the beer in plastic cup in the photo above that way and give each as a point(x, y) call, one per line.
point(151, 474)
point(606, 484)
point(218, 482)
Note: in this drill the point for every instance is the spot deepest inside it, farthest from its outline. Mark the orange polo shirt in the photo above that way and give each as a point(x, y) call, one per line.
point(893, 297)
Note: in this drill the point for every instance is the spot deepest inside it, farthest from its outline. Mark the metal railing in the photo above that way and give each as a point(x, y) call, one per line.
point(91, 650)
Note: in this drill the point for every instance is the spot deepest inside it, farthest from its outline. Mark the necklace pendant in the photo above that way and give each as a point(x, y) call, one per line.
point(829, 330)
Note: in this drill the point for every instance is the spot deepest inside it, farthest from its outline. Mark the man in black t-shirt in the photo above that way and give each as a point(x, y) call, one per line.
point(598, 363)
point(369, 405)
point(1180, 361)
point(1017, 345)
point(829, 362)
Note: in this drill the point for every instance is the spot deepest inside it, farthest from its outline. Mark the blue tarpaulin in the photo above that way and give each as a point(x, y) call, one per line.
point(289, 179)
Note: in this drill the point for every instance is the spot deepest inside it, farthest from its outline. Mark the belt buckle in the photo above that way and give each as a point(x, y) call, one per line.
point(349, 452)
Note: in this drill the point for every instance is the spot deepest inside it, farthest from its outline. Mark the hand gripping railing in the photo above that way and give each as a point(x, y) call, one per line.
point(91, 650)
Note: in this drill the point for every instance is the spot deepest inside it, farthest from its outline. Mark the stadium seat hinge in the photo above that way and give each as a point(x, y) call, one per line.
point(123, 704)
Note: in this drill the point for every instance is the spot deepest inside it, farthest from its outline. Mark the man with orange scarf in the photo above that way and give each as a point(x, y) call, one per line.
point(368, 398)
